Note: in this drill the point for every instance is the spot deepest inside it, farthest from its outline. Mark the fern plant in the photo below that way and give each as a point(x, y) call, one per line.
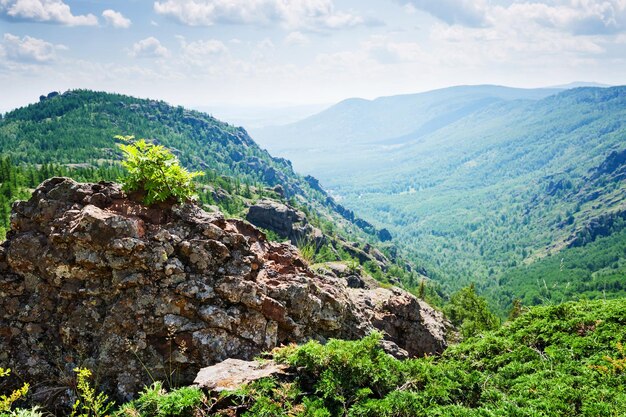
point(155, 171)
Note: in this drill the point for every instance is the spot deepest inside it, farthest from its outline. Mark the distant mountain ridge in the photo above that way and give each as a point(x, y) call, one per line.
point(357, 121)
point(577, 84)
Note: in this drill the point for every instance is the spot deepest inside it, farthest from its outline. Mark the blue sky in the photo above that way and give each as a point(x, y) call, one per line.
point(270, 52)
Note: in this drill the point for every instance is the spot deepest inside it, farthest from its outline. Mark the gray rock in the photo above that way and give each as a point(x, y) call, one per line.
point(284, 220)
point(234, 373)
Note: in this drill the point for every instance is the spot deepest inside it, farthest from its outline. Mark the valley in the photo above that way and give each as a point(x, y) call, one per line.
point(476, 181)
point(312, 208)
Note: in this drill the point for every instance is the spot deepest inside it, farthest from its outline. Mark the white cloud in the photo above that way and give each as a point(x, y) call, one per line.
point(377, 54)
point(149, 48)
point(390, 52)
point(202, 47)
point(296, 38)
point(513, 43)
point(265, 44)
point(465, 12)
point(578, 17)
point(28, 49)
point(294, 14)
point(53, 11)
point(203, 53)
point(116, 19)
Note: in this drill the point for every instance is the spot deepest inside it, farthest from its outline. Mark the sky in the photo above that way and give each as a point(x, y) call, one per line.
point(277, 53)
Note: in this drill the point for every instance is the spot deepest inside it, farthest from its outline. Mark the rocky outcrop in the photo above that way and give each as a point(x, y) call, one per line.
point(89, 277)
point(363, 253)
point(615, 163)
point(384, 235)
point(291, 224)
point(286, 221)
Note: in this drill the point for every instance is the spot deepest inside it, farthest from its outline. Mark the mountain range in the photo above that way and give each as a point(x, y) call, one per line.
point(516, 195)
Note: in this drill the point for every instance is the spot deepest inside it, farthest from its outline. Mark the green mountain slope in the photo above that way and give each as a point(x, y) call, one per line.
point(499, 187)
point(72, 134)
point(78, 128)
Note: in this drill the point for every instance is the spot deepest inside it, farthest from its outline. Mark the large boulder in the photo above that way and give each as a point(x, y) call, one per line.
point(286, 221)
point(232, 374)
point(92, 278)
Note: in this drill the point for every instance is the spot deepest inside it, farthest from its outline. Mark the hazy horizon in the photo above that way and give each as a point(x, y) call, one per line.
point(278, 114)
point(245, 53)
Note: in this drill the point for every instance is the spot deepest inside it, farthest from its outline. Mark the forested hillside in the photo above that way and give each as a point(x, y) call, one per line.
point(492, 191)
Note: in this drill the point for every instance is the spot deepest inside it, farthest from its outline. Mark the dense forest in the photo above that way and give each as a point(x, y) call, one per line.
point(479, 182)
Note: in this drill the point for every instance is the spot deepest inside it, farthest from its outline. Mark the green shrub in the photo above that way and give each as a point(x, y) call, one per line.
point(325, 254)
point(306, 249)
point(24, 412)
point(6, 401)
point(346, 373)
point(469, 312)
point(154, 401)
point(565, 360)
point(271, 235)
point(155, 171)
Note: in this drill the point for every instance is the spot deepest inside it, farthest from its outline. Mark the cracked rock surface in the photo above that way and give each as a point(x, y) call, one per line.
point(89, 277)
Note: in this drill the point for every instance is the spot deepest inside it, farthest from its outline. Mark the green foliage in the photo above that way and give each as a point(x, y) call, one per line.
point(6, 401)
point(549, 362)
point(24, 412)
point(347, 373)
point(154, 401)
point(306, 249)
point(353, 265)
point(595, 270)
point(615, 365)
point(325, 254)
point(469, 312)
point(271, 235)
point(155, 172)
point(89, 404)
point(268, 398)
